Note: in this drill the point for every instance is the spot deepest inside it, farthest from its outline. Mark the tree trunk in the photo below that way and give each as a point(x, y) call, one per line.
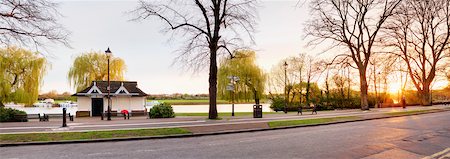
point(425, 95)
point(363, 85)
point(308, 85)
point(213, 84)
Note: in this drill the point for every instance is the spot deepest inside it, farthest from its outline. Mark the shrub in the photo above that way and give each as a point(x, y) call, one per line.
point(278, 105)
point(163, 110)
point(11, 115)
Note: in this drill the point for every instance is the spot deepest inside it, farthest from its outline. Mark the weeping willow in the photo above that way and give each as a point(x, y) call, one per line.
point(92, 66)
point(251, 76)
point(21, 75)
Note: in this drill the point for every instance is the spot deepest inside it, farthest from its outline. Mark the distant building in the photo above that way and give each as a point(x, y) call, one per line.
point(125, 95)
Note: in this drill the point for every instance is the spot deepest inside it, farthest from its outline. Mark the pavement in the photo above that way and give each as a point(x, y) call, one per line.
point(412, 137)
point(194, 124)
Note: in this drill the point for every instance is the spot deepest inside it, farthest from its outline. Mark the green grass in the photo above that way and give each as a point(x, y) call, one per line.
point(65, 136)
point(283, 123)
point(194, 101)
point(225, 114)
point(189, 101)
point(409, 112)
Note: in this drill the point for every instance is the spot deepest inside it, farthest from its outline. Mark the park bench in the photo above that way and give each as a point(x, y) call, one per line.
point(115, 113)
point(138, 113)
point(45, 117)
point(21, 117)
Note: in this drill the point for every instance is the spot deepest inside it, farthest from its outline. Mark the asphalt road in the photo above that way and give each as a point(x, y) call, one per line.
point(402, 137)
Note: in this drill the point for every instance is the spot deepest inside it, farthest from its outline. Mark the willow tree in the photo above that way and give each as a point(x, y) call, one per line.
point(353, 26)
point(21, 74)
point(252, 78)
point(91, 66)
point(211, 29)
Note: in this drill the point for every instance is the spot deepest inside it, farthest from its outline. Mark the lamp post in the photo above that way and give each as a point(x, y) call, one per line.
point(285, 85)
point(108, 55)
point(231, 87)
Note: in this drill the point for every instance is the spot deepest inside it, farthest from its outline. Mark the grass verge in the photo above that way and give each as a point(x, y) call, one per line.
point(197, 101)
point(66, 136)
point(274, 124)
point(189, 101)
point(225, 114)
point(409, 112)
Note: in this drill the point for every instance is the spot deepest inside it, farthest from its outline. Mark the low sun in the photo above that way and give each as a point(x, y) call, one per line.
point(394, 88)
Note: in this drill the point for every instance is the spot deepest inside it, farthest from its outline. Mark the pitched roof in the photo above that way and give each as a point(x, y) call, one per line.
point(130, 86)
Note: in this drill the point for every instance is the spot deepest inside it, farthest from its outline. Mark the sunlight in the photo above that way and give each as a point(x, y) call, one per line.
point(440, 85)
point(394, 88)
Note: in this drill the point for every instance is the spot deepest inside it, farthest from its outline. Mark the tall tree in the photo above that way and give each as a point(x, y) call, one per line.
point(251, 76)
point(420, 33)
point(210, 28)
point(351, 24)
point(92, 66)
point(28, 22)
point(21, 75)
point(279, 84)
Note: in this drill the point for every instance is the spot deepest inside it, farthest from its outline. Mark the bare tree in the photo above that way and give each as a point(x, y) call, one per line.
point(210, 28)
point(420, 33)
point(30, 22)
point(351, 24)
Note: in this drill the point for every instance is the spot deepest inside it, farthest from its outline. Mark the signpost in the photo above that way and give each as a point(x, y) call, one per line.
point(231, 87)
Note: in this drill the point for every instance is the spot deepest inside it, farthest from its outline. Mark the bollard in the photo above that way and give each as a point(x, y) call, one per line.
point(64, 118)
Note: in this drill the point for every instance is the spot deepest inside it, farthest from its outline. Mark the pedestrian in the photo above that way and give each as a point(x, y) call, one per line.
point(314, 108)
point(300, 110)
point(403, 102)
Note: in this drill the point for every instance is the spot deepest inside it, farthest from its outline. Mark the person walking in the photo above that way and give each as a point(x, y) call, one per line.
point(314, 108)
point(300, 110)
point(403, 102)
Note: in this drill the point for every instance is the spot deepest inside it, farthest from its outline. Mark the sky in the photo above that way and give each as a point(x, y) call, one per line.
point(149, 54)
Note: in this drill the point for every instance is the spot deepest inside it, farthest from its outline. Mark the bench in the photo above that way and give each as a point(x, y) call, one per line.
point(138, 113)
point(20, 117)
point(115, 113)
point(45, 117)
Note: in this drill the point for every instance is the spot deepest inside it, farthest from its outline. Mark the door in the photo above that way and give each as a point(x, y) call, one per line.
point(97, 106)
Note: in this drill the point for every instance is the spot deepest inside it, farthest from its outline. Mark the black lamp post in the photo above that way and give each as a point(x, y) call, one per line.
point(108, 55)
point(285, 85)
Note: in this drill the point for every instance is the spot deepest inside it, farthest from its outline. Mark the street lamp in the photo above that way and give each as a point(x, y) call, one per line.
point(231, 87)
point(108, 55)
point(285, 85)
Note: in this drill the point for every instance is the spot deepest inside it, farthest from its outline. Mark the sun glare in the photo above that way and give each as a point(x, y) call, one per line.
point(394, 88)
point(440, 85)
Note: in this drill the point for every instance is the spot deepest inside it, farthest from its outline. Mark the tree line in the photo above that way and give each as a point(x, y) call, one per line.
point(374, 37)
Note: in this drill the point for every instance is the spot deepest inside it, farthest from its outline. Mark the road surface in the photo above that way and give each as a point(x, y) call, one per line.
point(401, 137)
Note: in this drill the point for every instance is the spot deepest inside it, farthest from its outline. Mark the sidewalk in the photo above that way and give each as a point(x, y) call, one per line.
point(195, 124)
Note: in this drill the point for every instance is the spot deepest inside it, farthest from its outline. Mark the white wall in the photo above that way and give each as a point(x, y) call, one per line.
point(118, 103)
point(125, 102)
point(84, 103)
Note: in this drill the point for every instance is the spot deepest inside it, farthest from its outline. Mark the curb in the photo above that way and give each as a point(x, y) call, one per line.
point(210, 133)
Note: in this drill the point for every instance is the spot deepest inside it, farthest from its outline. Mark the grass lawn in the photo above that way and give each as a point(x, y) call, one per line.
point(36, 137)
point(189, 101)
point(195, 101)
point(409, 112)
point(274, 124)
point(225, 114)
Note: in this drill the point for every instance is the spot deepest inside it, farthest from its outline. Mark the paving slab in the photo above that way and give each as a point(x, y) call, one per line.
point(395, 153)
